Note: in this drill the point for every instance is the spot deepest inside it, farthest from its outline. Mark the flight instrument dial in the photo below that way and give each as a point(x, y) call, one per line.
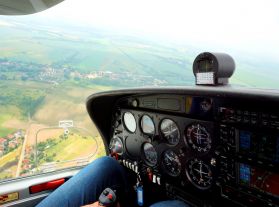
point(198, 138)
point(116, 146)
point(170, 131)
point(199, 174)
point(150, 154)
point(171, 163)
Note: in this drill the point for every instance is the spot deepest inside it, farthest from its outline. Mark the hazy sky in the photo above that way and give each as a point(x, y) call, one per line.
point(249, 25)
point(242, 25)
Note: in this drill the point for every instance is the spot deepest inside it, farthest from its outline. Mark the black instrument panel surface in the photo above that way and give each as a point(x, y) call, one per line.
point(202, 144)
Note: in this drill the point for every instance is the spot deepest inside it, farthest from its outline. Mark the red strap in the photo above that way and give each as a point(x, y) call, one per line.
point(51, 185)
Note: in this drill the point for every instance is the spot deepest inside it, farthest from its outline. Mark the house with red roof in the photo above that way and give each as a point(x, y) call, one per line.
point(10, 136)
point(12, 144)
point(3, 142)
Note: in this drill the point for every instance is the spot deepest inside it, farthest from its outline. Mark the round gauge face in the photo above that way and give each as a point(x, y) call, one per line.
point(198, 138)
point(199, 174)
point(171, 163)
point(130, 122)
point(147, 125)
point(170, 131)
point(150, 154)
point(116, 146)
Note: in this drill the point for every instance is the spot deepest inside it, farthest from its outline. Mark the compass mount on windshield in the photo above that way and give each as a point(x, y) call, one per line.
point(213, 68)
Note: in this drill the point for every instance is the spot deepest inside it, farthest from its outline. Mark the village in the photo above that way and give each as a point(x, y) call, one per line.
point(56, 75)
point(10, 142)
point(28, 163)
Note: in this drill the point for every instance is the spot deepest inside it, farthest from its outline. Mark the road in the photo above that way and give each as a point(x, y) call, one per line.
point(29, 139)
point(31, 136)
point(22, 154)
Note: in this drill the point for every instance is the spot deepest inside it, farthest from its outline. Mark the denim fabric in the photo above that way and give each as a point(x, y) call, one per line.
point(86, 186)
point(173, 203)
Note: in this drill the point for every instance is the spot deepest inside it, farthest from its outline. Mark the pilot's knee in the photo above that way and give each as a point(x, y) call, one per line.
point(104, 165)
point(106, 162)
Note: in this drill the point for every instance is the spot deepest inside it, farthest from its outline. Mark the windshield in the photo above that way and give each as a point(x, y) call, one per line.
point(51, 61)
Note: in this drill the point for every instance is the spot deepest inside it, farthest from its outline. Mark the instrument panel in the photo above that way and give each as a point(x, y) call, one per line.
point(168, 145)
point(200, 148)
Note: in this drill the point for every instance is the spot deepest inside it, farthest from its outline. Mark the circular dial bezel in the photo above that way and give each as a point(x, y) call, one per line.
point(145, 119)
point(197, 171)
point(171, 157)
point(114, 139)
point(201, 134)
point(149, 149)
point(130, 122)
point(169, 135)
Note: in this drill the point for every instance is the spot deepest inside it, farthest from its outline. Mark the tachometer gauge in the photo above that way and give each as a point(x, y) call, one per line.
point(171, 163)
point(147, 125)
point(199, 174)
point(198, 138)
point(116, 146)
point(130, 122)
point(150, 154)
point(170, 131)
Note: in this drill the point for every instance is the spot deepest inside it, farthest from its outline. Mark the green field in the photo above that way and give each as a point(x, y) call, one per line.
point(75, 146)
point(8, 163)
point(90, 50)
point(67, 102)
point(65, 150)
point(4, 130)
point(8, 173)
point(9, 157)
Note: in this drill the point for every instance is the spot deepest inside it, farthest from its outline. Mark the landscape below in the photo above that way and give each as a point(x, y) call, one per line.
point(47, 72)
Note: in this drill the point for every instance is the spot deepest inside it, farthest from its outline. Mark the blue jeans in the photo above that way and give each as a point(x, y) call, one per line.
point(86, 186)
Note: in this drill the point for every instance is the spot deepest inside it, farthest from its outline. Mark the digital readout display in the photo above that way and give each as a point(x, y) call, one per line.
point(260, 179)
point(259, 145)
point(245, 140)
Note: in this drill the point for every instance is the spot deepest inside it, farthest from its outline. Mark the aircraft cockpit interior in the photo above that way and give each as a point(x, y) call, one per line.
point(205, 145)
point(129, 81)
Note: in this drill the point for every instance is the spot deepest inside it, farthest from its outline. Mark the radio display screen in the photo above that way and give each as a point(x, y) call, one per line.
point(245, 140)
point(259, 179)
point(259, 145)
